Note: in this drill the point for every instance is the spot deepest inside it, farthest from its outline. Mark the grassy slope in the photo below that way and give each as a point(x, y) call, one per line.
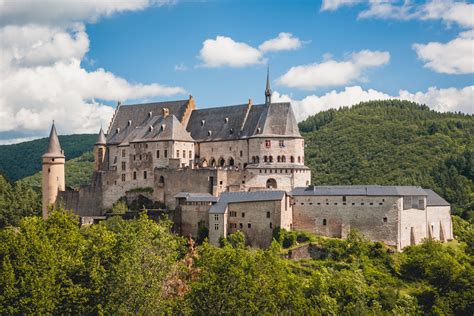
point(24, 159)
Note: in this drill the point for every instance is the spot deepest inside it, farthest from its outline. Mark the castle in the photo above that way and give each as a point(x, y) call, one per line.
point(232, 168)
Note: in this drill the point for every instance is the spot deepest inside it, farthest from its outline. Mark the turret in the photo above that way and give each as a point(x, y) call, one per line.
point(53, 171)
point(99, 150)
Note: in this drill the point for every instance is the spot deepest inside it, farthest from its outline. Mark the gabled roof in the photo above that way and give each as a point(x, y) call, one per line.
point(359, 190)
point(54, 148)
point(158, 128)
point(433, 199)
point(138, 114)
point(239, 197)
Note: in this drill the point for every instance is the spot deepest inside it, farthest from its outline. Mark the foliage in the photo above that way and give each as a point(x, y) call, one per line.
point(141, 190)
point(394, 142)
point(115, 267)
point(78, 172)
point(17, 201)
point(120, 207)
point(24, 159)
point(288, 239)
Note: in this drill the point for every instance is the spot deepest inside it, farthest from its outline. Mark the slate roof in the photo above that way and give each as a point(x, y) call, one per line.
point(101, 139)
point(196, 197)
point(158, 128)
point(239, 197)
point(360, 190)
point(243, 121)
point(54, 148)
point(433, 199)
point(138, 114)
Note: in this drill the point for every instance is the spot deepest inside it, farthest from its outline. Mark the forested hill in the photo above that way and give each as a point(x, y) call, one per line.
point(394, 142)
point(24, 159)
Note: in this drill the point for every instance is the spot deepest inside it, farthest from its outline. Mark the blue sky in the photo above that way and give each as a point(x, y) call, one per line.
point(72, 61)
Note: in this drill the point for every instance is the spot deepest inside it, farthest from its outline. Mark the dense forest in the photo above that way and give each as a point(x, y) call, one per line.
point(394, 142)
point(24, 159)
point(140, 267)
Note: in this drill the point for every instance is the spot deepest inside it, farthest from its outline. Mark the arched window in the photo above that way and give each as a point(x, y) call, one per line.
point(325, 222)
point(221, 162)
point(292, 159)
point(278, 159)
point(162, 180)
point(204, 162)
point(265, 158)
point(212, 162)
point(271, 183)
point(231, 161)
point(257, 159)
point(253, 159)
point(270, 158)
point(283, 158)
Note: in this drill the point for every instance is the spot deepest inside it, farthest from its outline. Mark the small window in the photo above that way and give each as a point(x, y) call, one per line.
point(216, 217)
point(49, 170)
point(380, 203)
point(325, 222)
point(271, 225)
point(190, 154)
point(144, 174)
point(371, 203)
point(281, 143)
point(157, 154)
point(241, 153)
point(335, 203)
point(134, 157)
point(177, 154)
point(344, 198)
point(123, 165)
point(268, 143)
point(123, 153)
point(243, 214)
point(241, 225)
point(123, 177)
point(134, 175)
point(249, 225)
point(166, 153)
point(220, 182)
point(353, 204)
point(268, 214)
point(362, 203)
point(216, 226)
point(385, 219)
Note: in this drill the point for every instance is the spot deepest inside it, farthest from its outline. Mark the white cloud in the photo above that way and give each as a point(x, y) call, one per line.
point(180, 67)
point(224, 51)
point(448, 11)
point(331, 5)
point(41, 77)
point(284, 41)
point(60, 12)
point(453, 57)
point(442, 100)
point(333, 73)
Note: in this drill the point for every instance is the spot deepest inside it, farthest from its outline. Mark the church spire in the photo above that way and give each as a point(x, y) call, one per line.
point(101, 140)
point(268, 91)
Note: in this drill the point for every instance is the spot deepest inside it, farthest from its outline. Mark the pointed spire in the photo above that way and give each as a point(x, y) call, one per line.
point(268, 91)
point(53, 144)
point(101, 138)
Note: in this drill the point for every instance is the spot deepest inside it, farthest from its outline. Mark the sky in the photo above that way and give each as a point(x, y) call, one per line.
point(72, 61)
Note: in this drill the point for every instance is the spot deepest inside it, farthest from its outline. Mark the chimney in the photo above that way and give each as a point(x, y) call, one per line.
point(165, 112)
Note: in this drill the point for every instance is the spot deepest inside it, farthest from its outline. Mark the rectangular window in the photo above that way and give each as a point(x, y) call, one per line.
point(268, 143)
point(190, 154)
point(157, 154)
point(249, 225)
point(216, 226)
point(123, 165)
point(406, 202)
point(385, 219)
point(123, 177)
point(144, 174)
point(134, 175)
point(123, 153)
point(134, 157)
point(184, 153)
point(166, 153)
point(233, 214)
point(241, 225)
point(281, 143)
point(177, 154)
point(216, 217)
point(271, 225)
point(243, 214)
point(268, 214)
point(241, 153)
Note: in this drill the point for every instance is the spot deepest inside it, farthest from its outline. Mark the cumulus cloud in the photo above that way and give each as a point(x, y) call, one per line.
point(448, 11)
point(224, 51)
point(284, 41)
point(41, 77)
point(453, 57)
point(442, 100)
point(333, 73)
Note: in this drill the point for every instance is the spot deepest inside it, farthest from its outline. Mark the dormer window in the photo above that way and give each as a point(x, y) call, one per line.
point(150, 114)
point(117, 130)
point(203, 122)
point(226, 120)
point(259, 130)
point(209, 133)
point(150, 128)
point(163, 126)
point(231, 131)
point(129, 122)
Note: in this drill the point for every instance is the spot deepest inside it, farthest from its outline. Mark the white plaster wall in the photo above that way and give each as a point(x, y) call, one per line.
point(438, 215)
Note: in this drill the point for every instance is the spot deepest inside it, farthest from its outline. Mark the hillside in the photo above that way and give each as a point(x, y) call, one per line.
point(78, 172)
point(394, 142)
point(24, 159)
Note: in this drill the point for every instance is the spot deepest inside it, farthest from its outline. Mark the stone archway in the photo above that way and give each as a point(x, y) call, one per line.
point(221, 162)
point(271, 183)
point(231, 162)
point(212, 162)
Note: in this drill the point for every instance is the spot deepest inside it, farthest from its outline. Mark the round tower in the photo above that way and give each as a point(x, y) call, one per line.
point(99, 150)
point(53, 171)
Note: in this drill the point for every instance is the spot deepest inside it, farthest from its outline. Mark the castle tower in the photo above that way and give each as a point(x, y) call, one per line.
point(99, 150)
point(268, 91)
point(53, 171)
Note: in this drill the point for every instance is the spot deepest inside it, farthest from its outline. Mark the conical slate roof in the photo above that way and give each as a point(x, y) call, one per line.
point(54, 148)
point(101, 138)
